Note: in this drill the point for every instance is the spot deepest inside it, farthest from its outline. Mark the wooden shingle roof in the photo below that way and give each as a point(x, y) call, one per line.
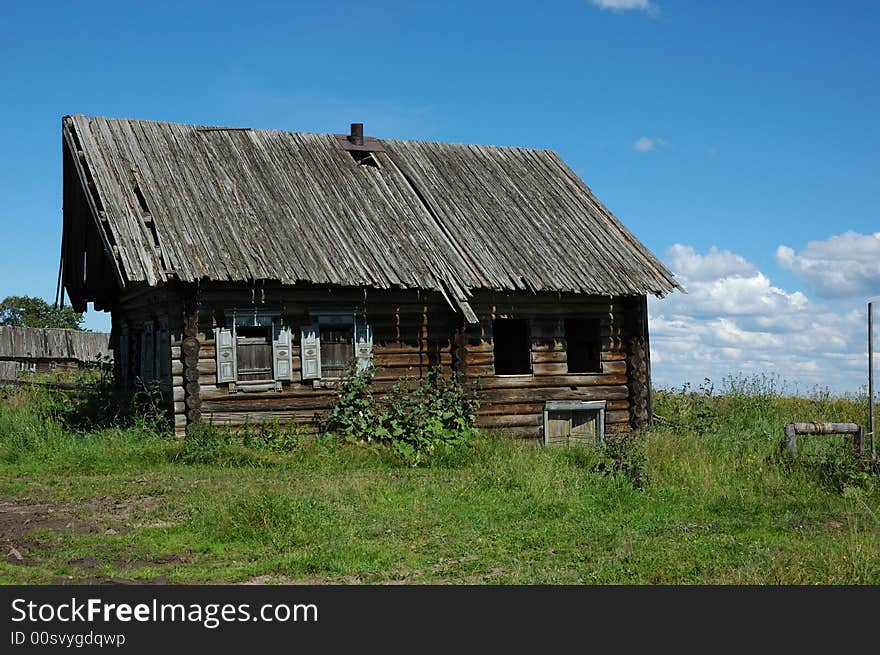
point(182, 202)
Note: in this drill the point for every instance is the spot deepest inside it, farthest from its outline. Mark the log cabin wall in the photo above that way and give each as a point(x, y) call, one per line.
point(413, 331)
point(515, 403)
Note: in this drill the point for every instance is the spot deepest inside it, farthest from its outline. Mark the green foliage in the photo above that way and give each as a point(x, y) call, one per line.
point(272, 436)
point(623, 455)
point(102, 405)
point(33, 435)
point(422, 420)
point(843, 470)
point(743, 426)
point(686, 408)
point(355, 414)
point(208, 445)
point(30, 311)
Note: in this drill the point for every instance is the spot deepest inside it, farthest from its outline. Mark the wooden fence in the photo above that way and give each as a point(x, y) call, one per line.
point(32, 349)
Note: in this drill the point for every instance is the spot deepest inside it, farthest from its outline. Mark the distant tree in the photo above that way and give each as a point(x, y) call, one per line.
point(29, 311)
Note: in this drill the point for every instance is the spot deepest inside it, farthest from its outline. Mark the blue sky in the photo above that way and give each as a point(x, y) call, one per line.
point(739, 141)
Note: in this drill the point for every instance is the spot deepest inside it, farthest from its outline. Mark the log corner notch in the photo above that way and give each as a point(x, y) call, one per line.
point(852, 432)
point(189, 351)
point(638, 362)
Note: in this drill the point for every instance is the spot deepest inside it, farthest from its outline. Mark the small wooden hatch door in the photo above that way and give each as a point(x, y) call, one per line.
point(572, 423)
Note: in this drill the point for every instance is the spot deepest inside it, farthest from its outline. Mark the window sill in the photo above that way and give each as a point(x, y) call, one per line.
point(255, 387)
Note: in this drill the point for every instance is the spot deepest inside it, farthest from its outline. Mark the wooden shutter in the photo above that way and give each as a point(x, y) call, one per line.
point(147, 352)
point(363, 346)
point(281, 356)
point(310, 351)
point(225, 348)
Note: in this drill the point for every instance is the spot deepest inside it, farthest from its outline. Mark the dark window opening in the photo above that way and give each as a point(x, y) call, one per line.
point(510, 337)
point(583, 345)
point(253, 348)
point(337, 350)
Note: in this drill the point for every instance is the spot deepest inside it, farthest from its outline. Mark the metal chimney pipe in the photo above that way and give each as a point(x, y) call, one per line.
point(357, 134)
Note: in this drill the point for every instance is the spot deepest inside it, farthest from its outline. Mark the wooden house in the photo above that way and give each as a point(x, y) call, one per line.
point(40, 350)
point(246, 269)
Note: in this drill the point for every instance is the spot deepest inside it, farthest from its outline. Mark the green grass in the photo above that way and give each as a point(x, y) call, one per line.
point(717, 504)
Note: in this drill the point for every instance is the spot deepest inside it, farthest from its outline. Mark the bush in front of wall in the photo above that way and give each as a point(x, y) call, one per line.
point(420, 420)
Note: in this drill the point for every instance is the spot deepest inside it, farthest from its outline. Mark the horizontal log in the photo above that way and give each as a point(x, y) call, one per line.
point(236, 404)
point(825, 428)
point(551, 368)
point(381, 358)
point(396, 373)
point(256, 418)
point(556, 393)
point(548, 345)
point(510, 420)
point(528, 381)
point(548, 356)
point(616, 417)
point(487, 408)
point(479, 358)
point(614, 367)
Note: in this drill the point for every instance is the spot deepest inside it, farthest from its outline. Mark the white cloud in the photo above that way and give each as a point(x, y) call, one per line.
point(842, 266)
point(714, 264)
point(734, 319)
point(647, 144)
point(624, 5)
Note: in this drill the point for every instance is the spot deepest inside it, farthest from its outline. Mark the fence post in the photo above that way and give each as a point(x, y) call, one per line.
point(791, 440)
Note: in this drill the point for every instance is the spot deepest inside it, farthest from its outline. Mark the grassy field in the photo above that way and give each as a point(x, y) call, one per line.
point(704, 498)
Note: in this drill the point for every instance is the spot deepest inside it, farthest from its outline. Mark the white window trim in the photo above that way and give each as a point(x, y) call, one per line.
point(334, 317)
point(231, 324)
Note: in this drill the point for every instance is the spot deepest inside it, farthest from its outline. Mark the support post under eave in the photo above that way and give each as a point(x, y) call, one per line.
point(459, 349)
point(189, 351)
point(638, 362)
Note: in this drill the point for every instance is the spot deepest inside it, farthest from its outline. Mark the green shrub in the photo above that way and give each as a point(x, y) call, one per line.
point(355, 415)
point(421, 420)
point(624, 455)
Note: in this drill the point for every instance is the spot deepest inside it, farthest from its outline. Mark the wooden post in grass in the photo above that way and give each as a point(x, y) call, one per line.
point(871, 427)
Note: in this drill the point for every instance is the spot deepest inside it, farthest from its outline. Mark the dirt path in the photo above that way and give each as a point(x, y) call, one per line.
point(30, 527)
